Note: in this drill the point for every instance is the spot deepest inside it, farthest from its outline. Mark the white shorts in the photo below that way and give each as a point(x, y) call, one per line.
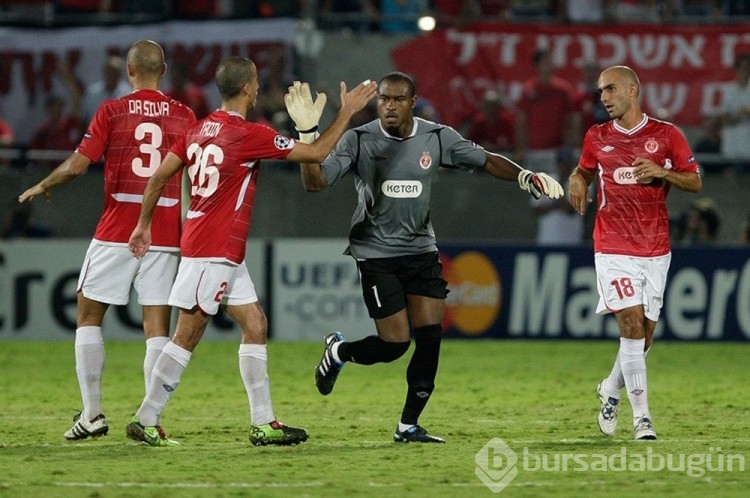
point(108, 272)
point(207, 284)
point(625, 281)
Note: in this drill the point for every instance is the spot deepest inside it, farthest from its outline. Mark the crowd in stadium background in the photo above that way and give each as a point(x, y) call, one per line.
point(66, 114)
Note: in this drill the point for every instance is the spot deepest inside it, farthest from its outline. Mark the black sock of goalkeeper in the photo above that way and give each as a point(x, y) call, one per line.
point(421, 372)
point(372, 349)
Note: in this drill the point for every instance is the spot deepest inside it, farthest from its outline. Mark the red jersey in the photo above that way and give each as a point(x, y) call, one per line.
point(223, 153)
point(547, 106)
point(631, 217)
point(134, 133)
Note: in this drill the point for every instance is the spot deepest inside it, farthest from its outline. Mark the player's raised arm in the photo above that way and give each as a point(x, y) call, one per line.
point(311, 149)
point(140, 239)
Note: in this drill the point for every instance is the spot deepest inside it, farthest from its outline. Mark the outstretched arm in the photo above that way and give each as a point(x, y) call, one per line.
point(301, 107)
point(70, 169)
point(537, 184)
point(140, 239)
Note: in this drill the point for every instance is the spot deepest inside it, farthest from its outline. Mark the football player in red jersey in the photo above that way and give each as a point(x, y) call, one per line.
point(638, 159)
point(222, 154)
point(133, 132)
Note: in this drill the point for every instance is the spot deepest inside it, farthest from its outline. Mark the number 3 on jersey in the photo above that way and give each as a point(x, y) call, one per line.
point(204, 176)
point(149, 147)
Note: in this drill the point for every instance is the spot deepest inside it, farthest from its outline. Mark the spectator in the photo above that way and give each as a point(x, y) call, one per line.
point(456, 13)
point(275, 83)
point(352, 15)
point(186, 92)
point(547, 119)
point(265, 8)
point(733, 8)
point(60, 130)
point(453, 13)
point(401, 15)
point(424, 108)
point(144, 7)
point(194, 9)
point(558, 223)
point(710, 143)
point(18, 222)
point(7, 136)
point(111, 86)
point(7, 139)
point(530, 10)
point(586, 11)
point(735, 113)
point(745, 231)
point(700, 223)
point(587, 98)
point(641, 11)
point(492, 126)
point(699, 10)
point(73, 7)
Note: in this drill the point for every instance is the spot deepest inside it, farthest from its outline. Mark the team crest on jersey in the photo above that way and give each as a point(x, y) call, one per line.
point(426, 160)
point(651, 146)
point(281, 142)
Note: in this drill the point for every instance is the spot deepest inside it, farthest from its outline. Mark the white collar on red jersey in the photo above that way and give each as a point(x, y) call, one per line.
point(632, 130)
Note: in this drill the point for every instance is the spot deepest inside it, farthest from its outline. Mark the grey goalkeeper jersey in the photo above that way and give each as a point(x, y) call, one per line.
point(393, 178)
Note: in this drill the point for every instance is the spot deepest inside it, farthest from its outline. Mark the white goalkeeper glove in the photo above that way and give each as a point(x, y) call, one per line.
point(539, 183)
point(304, 112)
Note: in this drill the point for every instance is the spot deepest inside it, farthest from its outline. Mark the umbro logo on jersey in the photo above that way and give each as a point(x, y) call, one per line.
point(607, 148)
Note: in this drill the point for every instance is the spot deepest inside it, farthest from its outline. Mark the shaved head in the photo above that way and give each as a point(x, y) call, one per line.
point(146, 57)
point(626, 76)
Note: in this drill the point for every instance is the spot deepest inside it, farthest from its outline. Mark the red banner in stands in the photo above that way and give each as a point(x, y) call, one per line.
point(682, 68)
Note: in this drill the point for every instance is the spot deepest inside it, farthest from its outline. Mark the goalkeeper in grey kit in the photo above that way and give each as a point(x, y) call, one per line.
point(394, 159)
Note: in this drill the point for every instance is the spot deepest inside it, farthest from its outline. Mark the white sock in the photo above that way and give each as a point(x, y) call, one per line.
point(615, 382)
point(153, 350)
point(165, 377)
point(404, 427)
point(254, 372)
point(89, 353)
point(633, 364)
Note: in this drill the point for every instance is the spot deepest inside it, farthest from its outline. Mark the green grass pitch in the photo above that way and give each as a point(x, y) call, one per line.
point(534, 396)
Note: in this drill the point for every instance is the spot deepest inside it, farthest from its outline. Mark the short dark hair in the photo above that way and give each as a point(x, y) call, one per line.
point(399, 77)
point(234, 73)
